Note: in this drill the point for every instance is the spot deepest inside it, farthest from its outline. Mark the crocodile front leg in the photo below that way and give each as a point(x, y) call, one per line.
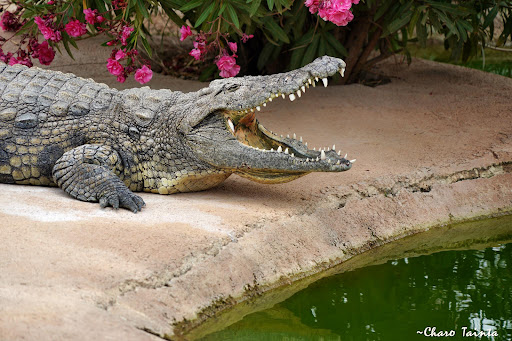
point(89, 173)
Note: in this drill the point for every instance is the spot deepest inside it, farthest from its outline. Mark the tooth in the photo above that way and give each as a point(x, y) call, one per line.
point(345, 156)
point(270, 99)
point(306, 144)
point(252, 109)
point(317, 158)
point(294, 136)
point(281, 136)
point(338, 162)
point(309, 81)
point(299, 93)
point(283, 95)
point(307, 159)
point(293, 155)
point(322, 155)
point(314, 148)
point(333, 147)
point(328, 148)
point(279, 149)
point(288, 136)
point(342, 72)
point(339, 152)
point(292, 97)
point(276, 95)
point(352, 161)
point(325, 82)
point(286, 151)
point(316, 79)
point(265, 104)
point(300, 139)
point(271, 149)
point(258, 108)
point(307, 85)
point(314, 84)
point(230, 123)
point(303, 88)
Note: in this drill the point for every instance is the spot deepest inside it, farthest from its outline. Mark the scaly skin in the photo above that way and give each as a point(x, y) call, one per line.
point(101, 145)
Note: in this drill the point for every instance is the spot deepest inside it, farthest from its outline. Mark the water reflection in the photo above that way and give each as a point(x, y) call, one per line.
point(448, 290)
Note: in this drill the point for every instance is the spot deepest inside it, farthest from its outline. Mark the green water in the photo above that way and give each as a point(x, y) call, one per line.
point(448, 290)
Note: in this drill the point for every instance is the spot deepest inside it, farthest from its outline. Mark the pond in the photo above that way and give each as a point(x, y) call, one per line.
point(458, 293)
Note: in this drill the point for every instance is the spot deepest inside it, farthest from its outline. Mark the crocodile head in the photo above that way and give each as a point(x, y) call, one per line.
point(222, 130)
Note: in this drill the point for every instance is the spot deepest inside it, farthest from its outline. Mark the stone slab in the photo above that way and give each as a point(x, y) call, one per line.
point(434, 146)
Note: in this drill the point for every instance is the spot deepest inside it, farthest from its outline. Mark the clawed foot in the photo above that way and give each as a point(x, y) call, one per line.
point(125, 199)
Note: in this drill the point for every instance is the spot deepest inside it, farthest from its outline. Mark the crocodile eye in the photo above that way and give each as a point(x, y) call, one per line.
point(232, 87)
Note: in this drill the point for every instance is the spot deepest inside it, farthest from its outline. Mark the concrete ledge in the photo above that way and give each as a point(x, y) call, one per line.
point(433, 147)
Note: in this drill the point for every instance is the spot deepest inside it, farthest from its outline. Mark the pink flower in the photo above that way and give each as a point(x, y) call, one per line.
point(121, 78)
point(246, 37)
point(120, 54)
point(227, 66)
point(100, 19)
point(336, 11)
point(45, 53)
point(9, 22)
point(90, 15)
point(48, 33)
point(75, 28)
point(313, 5)
point(143, 75)
point(5, 57)
point(233, 47)
point(20, 60)
point(114, 67)
point(196, 53)
point(51, 2)
point(127, 30)
point(185, 32)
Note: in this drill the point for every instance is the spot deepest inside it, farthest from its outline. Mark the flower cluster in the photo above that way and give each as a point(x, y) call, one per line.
point(125, 60)
point(335, 11)
point(10, 22)
point(225, 61)
point(114, 66)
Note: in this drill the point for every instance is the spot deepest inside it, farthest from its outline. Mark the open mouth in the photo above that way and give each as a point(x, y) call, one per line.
point(249, 132)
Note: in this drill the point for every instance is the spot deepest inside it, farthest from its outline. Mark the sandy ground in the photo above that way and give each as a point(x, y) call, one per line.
point(434, 146)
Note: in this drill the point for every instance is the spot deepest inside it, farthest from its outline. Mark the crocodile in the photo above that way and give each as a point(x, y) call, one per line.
point(101, 145)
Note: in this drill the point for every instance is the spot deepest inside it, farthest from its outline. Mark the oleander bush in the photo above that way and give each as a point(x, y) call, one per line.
point(233, 37)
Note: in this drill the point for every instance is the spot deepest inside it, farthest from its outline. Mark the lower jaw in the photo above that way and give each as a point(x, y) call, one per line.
point(270, 177)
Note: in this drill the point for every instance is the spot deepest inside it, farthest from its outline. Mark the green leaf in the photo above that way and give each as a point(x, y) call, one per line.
point(141, 5)
point(311, 51)
point(66, 46)
point(207, 73)
point(490, 17)
point(173, 16)
point(382, 9)
point(276, 30)
point(450, 24)
point(222, 8)
point(265, 54)
point(233, 15)
point(146, 45)
point(205, 14)
point(254, 7)
point(191, 5)
point(396, 24)
point(336, 44)
point(270, 4)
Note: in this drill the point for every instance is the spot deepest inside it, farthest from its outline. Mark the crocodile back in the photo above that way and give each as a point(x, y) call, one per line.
point(42, 115)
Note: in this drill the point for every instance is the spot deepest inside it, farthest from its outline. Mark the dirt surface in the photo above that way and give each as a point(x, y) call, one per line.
point(434, 146)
